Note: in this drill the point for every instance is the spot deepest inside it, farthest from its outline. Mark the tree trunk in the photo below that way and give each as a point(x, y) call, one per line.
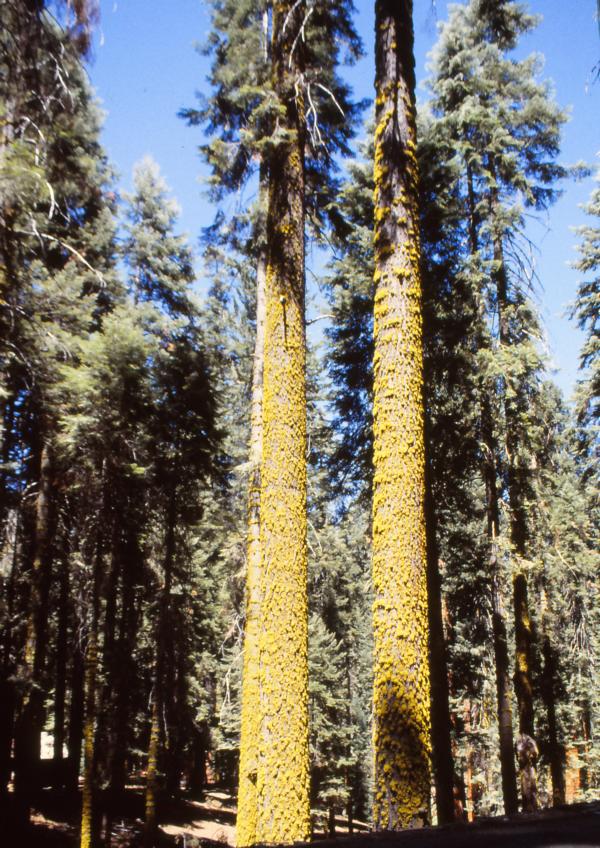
point(76, 714)
point(556, 751)
point(250, 716)
point(400, 618)
point(443, 761)
point(527, 751)
point(30, 722)
point(88, 823)
point(500, 640)
point(282, 783)
point(60, 687)
point(158, 695)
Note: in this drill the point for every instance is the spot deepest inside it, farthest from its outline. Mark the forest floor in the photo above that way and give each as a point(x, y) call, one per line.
point(211, 824)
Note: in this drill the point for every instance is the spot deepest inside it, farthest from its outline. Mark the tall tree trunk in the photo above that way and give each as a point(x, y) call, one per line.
point(76, 715)
point(250, 715)
point(158, 695)
point(400, 617)
point(29, 725)
point(7, 687)
point(88, 823)
point(527, 751)
point(469, 794)
point(556, 751)
point(443, 761)
point(60, 686)
point(282, 783)
point(489, 474)
point(499, 636)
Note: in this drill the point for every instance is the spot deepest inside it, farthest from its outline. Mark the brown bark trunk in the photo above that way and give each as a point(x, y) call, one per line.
point(517, 484)
point(60, 687)
point(76, 712)
point(30, 721)
point(469, 794)
point(156, 734)
point(443, 762)
point(500, 641)
point(401, 689)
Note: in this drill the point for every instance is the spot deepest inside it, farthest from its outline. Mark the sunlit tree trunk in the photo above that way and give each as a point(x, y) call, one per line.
point(87, 839)
point(400, 613)
point(250, 717)
point(283, 760)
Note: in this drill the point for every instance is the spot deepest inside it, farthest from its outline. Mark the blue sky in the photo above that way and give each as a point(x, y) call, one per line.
point(146, 68)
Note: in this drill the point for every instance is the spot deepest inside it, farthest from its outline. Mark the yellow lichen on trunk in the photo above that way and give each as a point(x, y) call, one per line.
point(91, 666)
point(250, 713)
point(283, 810)
point(401, 673)
point(152, 773)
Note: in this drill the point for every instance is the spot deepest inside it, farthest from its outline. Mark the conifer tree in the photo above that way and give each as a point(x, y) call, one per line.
point(586, 310)
point(401, 668)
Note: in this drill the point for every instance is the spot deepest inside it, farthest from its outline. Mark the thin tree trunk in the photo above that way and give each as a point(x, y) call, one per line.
point(500, 640)
point(400, 617)
point(250, 714)
point(443, 761)
point(469, 796)
point(7, 688)
point(150, 821)
point(527, 751)
point(76, 714)
point(283, 756)
point(499, 635)
point(60, 687)
point(29, 725)
point(88, 824)
point(556, 751)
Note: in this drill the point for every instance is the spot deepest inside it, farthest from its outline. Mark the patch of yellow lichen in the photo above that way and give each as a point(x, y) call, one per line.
point(91, 665)
point(401, 732)
point(282, 755)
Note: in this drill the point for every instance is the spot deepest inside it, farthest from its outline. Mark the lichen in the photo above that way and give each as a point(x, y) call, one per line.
point(401, 732)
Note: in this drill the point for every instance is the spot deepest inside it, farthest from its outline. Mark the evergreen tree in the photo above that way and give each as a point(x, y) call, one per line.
point(401, 667)
point(585, 310)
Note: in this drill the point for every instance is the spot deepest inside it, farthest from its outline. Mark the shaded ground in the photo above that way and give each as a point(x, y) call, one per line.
point(211, 824)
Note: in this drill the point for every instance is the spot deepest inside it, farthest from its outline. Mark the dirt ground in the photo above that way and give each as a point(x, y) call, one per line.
point(211, 824)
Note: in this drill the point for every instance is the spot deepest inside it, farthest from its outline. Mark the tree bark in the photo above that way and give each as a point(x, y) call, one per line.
point(400, 612)
point(29, 724)
point(499, 636)
point(88, 836)
point(283, 756)
point(443, 761)
point(250, 716)
point(60, 686)
point(158, 695)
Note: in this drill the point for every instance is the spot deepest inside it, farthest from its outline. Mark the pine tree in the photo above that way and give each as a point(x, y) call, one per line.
point(401, 668)
point(585, 310)
point(498, 98)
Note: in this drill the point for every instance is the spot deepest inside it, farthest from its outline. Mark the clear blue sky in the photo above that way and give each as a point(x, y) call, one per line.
point(146, 68)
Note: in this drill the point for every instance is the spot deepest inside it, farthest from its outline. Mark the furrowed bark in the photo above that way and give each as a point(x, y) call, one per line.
point(87, 837)
point(283, 756)
point(526, 747)
point(29, 725)
point(499, 637)
point(250, 719)
point(400, 612)
point(442, 759)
